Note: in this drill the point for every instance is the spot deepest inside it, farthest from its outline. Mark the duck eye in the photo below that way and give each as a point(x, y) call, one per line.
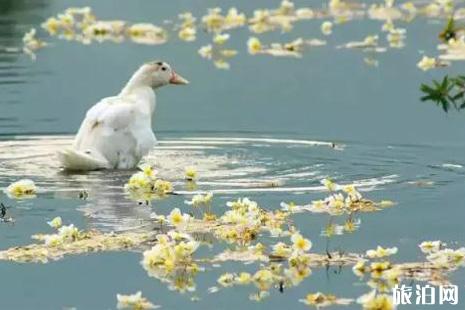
point(163, 68)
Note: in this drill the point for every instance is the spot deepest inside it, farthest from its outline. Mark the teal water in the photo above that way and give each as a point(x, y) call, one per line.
point(242, 128)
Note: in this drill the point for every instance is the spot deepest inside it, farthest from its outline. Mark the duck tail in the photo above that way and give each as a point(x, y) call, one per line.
point(72, 159)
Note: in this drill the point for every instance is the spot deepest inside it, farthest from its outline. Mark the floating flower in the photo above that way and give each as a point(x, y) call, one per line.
point(360, 268)
point(429, 247)
point(206, 51)
point(299, 243)
point(145, 33)
point(304, 13)
point(426, 63)
point(53, 240)
point(281, 249)
point(261, 21)
point(105, 30)
point(377, 268)
point(31, 43)
point(254, 45)
point(228, 53)
point(187, 31)
point(323, 300)
point(51, 25)
point(381, 252)
point(187, 34)
point(162, 187)
point(234, 19)
point(221, 38)
point(22, 189)
point(68, 233)
point(56, 222)
point(213, 21)
point(148, 170)
point(327, 28)
point(354, 195)
point(373, 301)
point(226, 279)
point(330, 185)
point(134, 301)
point(221, 64)
point(176, 218)
point(396, 37)
point(139, 181)
point(263, 279)
point(447, 258)
point(199, 199)
point(170, 260)
point(243, 278)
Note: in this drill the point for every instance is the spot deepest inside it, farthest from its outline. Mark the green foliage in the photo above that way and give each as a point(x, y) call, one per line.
point(450, 92)
point(449, 31)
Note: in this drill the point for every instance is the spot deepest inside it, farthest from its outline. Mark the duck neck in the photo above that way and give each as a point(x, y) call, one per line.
point(137, 81)
point(140, 88)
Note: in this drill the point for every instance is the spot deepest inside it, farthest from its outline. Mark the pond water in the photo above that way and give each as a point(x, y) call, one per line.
point(267, 121)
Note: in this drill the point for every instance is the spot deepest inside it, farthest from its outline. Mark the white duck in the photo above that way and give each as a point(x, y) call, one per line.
point(117, 131)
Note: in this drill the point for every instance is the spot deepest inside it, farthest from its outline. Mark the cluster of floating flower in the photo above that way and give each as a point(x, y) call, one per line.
point(22, 189)
point(169, 253)
point(146, 186)
point(170, 260)
point(82, 25)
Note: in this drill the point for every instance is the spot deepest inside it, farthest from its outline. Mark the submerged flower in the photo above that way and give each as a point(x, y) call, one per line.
point(426, 63)
point(22, 189)
point(56, 222)
point(134, 301)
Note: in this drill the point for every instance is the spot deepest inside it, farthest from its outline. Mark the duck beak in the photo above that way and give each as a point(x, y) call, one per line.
point(178, 80)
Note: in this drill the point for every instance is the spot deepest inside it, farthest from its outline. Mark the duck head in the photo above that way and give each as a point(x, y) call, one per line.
point(162, 74)
point(156, 74)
